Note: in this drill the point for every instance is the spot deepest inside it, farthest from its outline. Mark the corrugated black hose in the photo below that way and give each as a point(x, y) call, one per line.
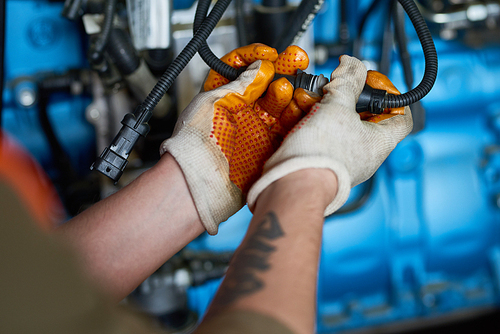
point(430, 55)
point(186, 54)
point(375, 100)
point(205, 53)
point(417, 109)
point(97, 47)
point(122, 52)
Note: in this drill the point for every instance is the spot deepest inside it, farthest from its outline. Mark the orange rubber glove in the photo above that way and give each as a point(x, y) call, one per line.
point(257, 129)
point(378, 80)
point(332, 136)
point(224, 137)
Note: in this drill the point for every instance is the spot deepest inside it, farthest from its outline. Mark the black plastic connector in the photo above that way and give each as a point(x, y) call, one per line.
point(372, 100)
point(310, 82)
point(113, 159)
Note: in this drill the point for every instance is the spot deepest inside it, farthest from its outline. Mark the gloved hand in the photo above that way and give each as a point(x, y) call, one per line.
point(223, 138)
point(333, 136)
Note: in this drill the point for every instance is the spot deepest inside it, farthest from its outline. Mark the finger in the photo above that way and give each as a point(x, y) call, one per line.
point(291, 115)
point(305, 99)
point(378, 80)
point(347, 80)
point(278, 96)
point(399, 126)
point(249, 86)
point(243, 56)
point(291, 60)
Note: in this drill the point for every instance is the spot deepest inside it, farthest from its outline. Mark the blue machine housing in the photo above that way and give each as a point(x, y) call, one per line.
point(39, 41)
point(425, 243)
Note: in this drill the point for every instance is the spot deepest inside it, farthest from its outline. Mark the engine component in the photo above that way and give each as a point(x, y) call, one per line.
point(113, 160)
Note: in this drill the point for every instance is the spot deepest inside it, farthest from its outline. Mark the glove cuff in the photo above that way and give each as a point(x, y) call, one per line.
point(289, 166)
point(216, 198)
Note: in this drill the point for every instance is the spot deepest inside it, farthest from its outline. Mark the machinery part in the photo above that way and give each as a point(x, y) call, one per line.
point(122, 52)
point(240, 22)
point(72, 9)
point(149, 23)
point(271, 17)
point(298, 23)
point(98, 46)
point(113, 160)
point(158, 60)
point(418, 111)
point(75, 82)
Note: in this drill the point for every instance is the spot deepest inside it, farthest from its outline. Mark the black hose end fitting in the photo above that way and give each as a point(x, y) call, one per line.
point(310, 82)
point(113, 159)
point(372, 100)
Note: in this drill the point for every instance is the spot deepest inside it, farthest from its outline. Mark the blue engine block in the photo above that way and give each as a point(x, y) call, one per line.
point(40, 41)
point(424, 244)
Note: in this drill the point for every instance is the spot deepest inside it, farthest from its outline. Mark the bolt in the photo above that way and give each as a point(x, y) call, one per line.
point(429, 300)
point(26, 97)
point(94, 114)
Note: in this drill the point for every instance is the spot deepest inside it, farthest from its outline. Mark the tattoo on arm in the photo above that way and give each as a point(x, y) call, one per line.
point(253, 258)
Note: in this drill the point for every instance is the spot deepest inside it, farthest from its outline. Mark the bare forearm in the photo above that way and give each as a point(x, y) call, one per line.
point(127, 236)
point(274, 271)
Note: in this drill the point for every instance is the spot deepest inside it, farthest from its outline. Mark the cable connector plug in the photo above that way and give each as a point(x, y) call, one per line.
point(372, 100)
point(113, 159)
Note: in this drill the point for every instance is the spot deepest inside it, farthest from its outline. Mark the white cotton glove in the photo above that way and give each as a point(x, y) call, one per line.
point(195, 149)
point(333, 136)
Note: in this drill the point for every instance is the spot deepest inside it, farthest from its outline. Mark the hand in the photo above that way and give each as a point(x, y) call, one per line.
point(333, 136)
point(226, 134)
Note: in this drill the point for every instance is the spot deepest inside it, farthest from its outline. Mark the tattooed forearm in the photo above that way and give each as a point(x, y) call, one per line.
point(242, 278)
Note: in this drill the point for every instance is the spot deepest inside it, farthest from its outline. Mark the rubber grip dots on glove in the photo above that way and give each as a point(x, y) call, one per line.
point(249, 134)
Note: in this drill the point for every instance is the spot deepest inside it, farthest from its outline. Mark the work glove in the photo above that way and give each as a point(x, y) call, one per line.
point(333, 136)
point(226, 134)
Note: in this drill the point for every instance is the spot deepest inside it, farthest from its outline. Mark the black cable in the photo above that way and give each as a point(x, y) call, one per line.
point(418, 111)
point(361, 27)
point(113, 159)
point(72, 9)
point(240, 22)
point(298, 23)
point(402, 45)
point(98, 46)
point(375, 100)
point(430, 55)
point(204, 50)
point(186, 54)
point(122, 51)
point(2, 53)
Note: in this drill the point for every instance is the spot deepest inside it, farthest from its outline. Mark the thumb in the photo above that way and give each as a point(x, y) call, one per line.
point(249, 86)
point(398, 126)
point(348, 78)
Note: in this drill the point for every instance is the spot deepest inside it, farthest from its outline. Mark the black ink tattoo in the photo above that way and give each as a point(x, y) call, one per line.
point(252, 258)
